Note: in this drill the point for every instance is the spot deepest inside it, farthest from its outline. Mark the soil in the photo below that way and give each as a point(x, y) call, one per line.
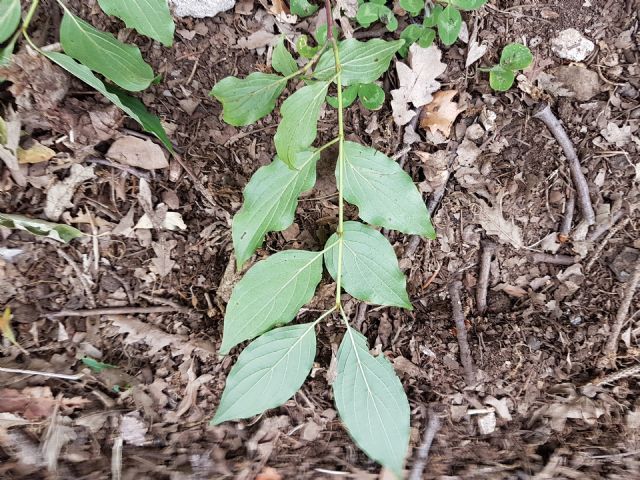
point(537, 346)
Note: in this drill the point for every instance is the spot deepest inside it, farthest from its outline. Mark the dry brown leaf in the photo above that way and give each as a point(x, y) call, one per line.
point(162, 262)
point(269, 473)
point(440, 114)
point(8, 151)
point(417, 81)
point(278, 7)
point(34, 403)
point(35, 154)
point(136, 152)
point(493, 221)
point(59, 195)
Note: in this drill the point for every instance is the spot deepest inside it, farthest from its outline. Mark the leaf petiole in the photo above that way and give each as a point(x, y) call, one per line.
point(327, 145)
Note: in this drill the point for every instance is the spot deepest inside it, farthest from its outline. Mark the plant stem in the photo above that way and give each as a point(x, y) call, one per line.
point(340, 230)
point(327, 145)
point(324, 315)
point(327, 10)
point(27, 19)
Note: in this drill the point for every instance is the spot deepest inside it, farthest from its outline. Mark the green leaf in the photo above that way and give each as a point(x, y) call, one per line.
point(303, 47)
point(362, 62)
point(516, 56)
point(371, 402)
point(371, 96)
point(370, 269)
point(449, 25)
point(414, 7)
point(302, 8)
point(349, 95)
point(245, 101)
point(9, 18)
point(270, 200)
point(468, 4)
point(299, 125)
point(41, 228)
point(389, 19)
point(410, 35)
point(368, 13)
point(384, 193)
point(427, 37)
point(501, 79)
point(103, 53)
point(6, 52)
point(149, 17)
point(270, 294)
point(432, 19)
point(321, 33)
point(130, 105)
point(282, 61)
point(268, 372)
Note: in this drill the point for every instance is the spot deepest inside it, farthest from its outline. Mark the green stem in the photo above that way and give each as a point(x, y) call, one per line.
point(27, 19)
point(327, 145)
point(340, 169)
point(324, 315)
point(304, 69)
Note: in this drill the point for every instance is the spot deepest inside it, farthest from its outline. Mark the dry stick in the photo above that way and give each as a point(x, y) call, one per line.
point(488, 249)
point(545, 114)
point(423, 452)
point(20, 371)
point(196, 182)
point(81, 279)
point(461, 331)
point(602, 229)
point(598, 251)
point(611, 348)
point(564, 260)
point(112, 311)
point(567, 220)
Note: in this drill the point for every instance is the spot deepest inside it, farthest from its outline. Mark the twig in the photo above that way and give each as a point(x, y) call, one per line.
point(196, 183)
point(603, 243)
point(20, 371)
point(611, 348)
point(613, 377)
point(125, 168)
point(83, 281)
point(554, 259)
point(433, 426)
point(112, 311)
point(545, 114)
point(602, 229)
point(488, 249)
point(567, 220)
point(461, 332)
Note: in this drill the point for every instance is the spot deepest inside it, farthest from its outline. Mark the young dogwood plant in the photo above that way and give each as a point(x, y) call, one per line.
point(514, 57)
point(368, 394)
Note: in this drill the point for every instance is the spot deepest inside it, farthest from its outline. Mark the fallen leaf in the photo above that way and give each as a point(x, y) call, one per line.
point(475, 53)
point(59, 195)
point(172, 221)
point(435, 168)
point(35, 154)
point(5, 327)
point(133, 429)
point(493, 221)
point(42, 228)
point(136, 152)
point(440, 114)
point(269, 473)
point(417, 81)
point(619, 136)
point(34, 403)
point(487, 423)
point(511, 290)
point(259, 39)
point(278, 7)
point(9, 147)
point(162, 261)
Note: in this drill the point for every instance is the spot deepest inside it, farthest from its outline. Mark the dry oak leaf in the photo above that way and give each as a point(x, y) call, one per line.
point(136, 152)
point(59, 195)
point(440, 114)
point(37, 153)
point(417, 81)
point(493, 221)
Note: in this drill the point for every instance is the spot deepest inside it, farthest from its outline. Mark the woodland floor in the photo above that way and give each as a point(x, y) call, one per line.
point(538, 344)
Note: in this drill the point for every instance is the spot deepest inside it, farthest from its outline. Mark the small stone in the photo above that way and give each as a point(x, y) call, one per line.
point(584, 83)
point(201, 8)
point(570, 44)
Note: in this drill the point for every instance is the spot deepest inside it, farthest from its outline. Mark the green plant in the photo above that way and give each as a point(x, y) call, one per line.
point(368, 395)
point(514, 57)
point(443, 17)
point(89, 51)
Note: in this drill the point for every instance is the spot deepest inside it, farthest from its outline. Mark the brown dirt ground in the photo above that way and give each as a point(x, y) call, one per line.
point(538, 343)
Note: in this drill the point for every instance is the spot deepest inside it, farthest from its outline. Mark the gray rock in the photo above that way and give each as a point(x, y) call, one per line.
point(582, 82)
point(200, 8)
point(570, 44)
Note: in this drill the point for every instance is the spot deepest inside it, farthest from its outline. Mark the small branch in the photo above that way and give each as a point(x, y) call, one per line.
point(564, 260)
point(20, 371)
point(602, 229)
point(461, 331)
point(611, 348)
point(545, 114)
point(488, 249)
point(601, 245)
point(611, 378)
point(433, 426)
point(567, 220)
point(112, 311)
